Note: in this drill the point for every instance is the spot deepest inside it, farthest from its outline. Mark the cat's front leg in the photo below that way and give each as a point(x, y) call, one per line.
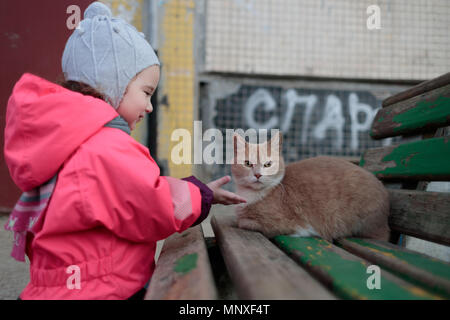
point(239, 210)
point(243, 221)
point(249, 224)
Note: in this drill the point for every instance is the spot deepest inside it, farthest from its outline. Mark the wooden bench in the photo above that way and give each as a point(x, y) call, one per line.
point(241, 264)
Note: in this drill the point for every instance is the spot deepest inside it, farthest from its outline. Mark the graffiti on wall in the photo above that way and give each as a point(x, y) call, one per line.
point(313, 121)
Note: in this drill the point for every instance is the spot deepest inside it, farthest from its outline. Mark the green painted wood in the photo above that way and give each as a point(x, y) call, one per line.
point(427, 160)
point(424, 112)
point(346, 274)
point(259, 269)
point(412, 266)
point(183, 270)
point(186, 263)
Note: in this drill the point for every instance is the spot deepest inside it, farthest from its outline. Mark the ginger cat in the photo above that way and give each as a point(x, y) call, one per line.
point(321, 196)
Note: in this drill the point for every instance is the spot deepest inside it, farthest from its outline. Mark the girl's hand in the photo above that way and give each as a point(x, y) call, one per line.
point(223, 196)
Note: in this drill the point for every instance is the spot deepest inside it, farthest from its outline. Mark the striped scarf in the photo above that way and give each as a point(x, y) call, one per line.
point(32, 203)
point(25, 214)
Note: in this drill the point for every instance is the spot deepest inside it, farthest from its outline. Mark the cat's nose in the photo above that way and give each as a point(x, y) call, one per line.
point(257, 175)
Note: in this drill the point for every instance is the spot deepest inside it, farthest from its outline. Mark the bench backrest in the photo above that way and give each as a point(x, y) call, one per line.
point(422, 110)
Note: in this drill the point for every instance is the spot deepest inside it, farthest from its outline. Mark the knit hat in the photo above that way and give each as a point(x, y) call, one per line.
point(106, 53)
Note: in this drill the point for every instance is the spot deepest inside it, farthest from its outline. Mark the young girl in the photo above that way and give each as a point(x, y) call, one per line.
point(95, 204)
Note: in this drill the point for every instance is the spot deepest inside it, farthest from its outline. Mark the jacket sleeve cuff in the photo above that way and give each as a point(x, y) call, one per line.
point(207, 198)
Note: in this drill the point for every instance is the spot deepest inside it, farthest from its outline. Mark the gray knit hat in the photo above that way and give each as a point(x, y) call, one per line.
point(106, 53)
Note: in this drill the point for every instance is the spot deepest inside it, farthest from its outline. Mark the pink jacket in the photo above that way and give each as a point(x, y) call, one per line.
point(109, 206)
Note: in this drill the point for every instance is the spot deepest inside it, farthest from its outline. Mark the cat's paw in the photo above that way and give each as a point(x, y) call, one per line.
point(239, 210)
point(249, 224)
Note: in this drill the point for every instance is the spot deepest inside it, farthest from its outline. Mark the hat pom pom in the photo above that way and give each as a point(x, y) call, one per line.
point(97, 9)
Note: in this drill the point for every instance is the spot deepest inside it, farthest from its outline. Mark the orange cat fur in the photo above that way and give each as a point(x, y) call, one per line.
point(322, 196)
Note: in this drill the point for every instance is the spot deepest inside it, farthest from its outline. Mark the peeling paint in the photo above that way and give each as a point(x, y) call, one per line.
point(186, 263)
point(424, 113)
point(431, 265)
point(408, 158)
point(428, 110)
point(348, 275)
point(428, 157)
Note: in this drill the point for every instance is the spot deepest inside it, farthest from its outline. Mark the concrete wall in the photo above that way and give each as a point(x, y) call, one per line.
point(327, 38)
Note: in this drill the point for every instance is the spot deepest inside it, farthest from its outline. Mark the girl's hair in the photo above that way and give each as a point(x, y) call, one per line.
point(80, 87)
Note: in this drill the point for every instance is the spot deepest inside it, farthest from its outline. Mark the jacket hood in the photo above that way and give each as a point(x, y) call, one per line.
point(45, 124)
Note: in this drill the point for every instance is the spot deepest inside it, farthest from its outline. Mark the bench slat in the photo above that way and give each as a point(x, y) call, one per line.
point(418, 89)
point(183, 270)
point(419, 160)
point(411, 266)
point(260, 270)
point(345, 273)
point(430, 110)
point(421, 214)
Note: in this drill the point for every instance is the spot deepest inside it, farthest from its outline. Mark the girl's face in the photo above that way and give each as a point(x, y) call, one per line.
point(136, 100)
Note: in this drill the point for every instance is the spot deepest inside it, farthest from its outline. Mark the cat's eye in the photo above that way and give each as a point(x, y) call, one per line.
point(247, 163)
point(267, 164)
